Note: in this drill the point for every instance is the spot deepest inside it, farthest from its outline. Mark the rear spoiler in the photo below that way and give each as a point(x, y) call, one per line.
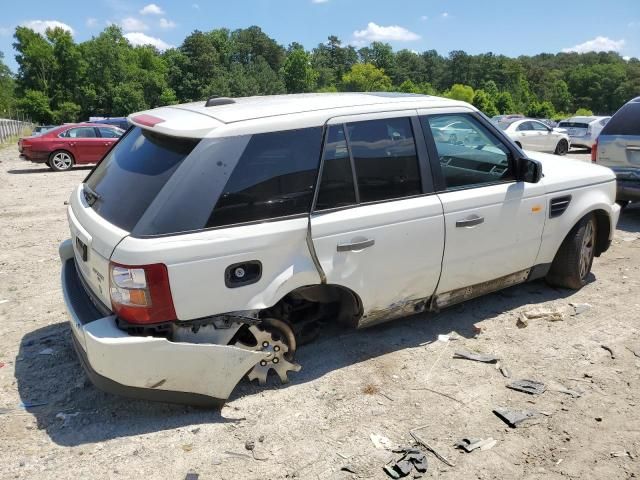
point(175, 122)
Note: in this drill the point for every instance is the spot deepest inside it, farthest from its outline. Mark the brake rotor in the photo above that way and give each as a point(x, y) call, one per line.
point(279, 352)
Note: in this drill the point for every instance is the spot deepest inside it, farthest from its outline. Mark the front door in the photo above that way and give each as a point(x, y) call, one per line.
point(493, 223)
point(85, 144)
point(377, 228)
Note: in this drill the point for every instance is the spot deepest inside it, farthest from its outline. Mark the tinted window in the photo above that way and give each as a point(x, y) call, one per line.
point(81, 132)
point(336, 186)
point(524, 127)
point(476, 158)
point(110, 132)
point(274, 177)
point(385, 159)
point(539, 126)
point(132, 174)
point(626, 121)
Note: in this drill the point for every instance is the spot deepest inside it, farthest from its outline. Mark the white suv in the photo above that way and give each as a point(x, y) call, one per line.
point(216, 238)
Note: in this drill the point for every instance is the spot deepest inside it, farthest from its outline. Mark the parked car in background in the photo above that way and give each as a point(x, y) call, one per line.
point(583, 131)
point(73, 144)
point(216, 238)
point(500, 118)
point(120, 122)
point(618, 147)
point(42, 128)
point(532, 134)
point(548, 122)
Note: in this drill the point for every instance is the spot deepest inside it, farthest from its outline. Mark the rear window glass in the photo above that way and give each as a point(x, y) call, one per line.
point(626, 121)
point(573, 125)
point(132, 174)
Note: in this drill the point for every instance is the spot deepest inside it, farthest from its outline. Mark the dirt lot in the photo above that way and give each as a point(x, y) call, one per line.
point(353, 384)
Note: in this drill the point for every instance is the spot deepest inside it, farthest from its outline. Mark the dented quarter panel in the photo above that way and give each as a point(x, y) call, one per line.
point(196, 263)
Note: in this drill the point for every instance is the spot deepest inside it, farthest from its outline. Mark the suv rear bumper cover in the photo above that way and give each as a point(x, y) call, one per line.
point(148, 367)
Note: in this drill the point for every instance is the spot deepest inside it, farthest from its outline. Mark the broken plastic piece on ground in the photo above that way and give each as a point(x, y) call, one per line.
point(623, 453)
point(428, 447)
point(348, 468)
point(192, 476)
point(522, 322)
point(3, 301)
point(412, 458)
point(443, 338)
point(471, 444)
point(476, 357)
point(381, 442)
point(579, 308)
point(610, 350)
point(528, 386)
point(568, 391)
point(504, 371)
point(551, 315)
point(513, 418)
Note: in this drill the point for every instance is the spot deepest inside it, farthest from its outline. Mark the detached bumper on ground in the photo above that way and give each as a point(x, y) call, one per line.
point(148, 367)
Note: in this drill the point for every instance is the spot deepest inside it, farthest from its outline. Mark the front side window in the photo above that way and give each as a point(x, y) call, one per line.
point(537, 126)
point(106, 132)
point(385, 158)
point(525, 127)
point(274, 177)
point(477, 157)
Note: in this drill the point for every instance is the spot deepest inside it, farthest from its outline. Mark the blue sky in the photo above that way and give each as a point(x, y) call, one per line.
point(501, 26)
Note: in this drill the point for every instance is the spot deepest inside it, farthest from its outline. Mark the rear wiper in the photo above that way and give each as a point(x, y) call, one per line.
point(90, 195)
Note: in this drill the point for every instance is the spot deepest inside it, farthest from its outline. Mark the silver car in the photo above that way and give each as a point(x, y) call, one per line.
point(583, 131)
point(618, 147)
point(532, 134)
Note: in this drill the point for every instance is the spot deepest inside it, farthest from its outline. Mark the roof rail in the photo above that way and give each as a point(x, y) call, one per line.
point(215, 100)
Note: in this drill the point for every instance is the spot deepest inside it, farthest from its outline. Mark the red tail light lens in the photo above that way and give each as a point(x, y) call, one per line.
point(141, 293)
point(594, 152)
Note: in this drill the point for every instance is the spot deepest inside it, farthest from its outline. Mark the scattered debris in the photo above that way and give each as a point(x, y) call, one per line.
point(259, 456)
point(381, 442)
point(568, 391)
point(192, 476)
point(370, 389)
point(635, 351)
point(476, 357)
point(386, 396)
point(579, 308)
point(598, 419)
point(195, 430)
point(439, 393)
point(65, 417)
point(522, 322)
point(513, 418)
point(429, 448)
point(443, 338)
point(236, 454)
point(46, 351)
point(348, 468)
point(3, 301)
point(623, 453)
point(610, 350)
point(504, 371)
point(477, 329)
point(527, 386)
point(412, 458)
point(249, 445)
point(471, 444)
point(550, 315)
point(187, 447)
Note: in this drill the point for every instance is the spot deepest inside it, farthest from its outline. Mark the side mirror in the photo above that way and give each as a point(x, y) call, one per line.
point(529, 170)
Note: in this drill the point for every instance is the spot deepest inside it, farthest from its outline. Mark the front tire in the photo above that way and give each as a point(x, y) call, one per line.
point(572, 263)
point(562, 148)
point(60, 160)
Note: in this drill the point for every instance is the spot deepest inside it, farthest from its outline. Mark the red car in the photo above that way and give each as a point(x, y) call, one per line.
point(62, 147)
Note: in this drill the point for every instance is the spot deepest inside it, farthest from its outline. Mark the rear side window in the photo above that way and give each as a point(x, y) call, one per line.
point(274, 177)
point(626, 121)
point(81, 132)
point(132, 174)
point(336, 187)
point(106, 132)
point(386, 162)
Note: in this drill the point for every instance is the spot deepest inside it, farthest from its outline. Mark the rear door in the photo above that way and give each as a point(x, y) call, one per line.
point(493, 223)
point(527, 137)
point(85, 144)
point(619, 142)
point(377, 227)
point(545, 140)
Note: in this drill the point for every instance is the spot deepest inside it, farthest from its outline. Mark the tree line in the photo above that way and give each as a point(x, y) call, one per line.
point(59, 80)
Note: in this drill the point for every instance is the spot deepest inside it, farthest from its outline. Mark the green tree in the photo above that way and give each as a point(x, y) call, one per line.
point(540, 109)
point(7, 88)
point(35, 105)
point(67, 112)
point(504, 103)
point(409, 87)
point(483, 102)
point(365, 77)
point(583, 112)
point(299, 75)
point(460, 92)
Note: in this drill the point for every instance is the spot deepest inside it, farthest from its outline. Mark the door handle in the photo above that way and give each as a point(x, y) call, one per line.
point(72, 144)
point(107, 144)
point(471, 221)
point(355, 246)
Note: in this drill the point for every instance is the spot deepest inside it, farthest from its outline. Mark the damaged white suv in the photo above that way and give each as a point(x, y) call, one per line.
point(216, 237)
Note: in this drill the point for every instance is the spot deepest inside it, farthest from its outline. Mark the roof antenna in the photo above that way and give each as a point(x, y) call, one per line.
point(215, 101)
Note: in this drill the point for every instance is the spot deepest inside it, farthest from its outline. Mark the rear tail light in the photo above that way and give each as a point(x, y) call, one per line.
point(594, 152)
point(141, 293)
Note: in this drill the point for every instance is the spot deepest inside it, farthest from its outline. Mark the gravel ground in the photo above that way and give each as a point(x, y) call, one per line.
point(385, 381)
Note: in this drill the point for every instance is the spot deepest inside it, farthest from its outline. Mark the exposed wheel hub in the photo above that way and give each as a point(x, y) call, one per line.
point(278, 358)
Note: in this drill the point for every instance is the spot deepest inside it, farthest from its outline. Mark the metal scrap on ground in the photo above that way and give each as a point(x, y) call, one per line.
point(527, 386)
point(513, 418)
point(471, 444)
point(476, 357)
point(411, 459)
